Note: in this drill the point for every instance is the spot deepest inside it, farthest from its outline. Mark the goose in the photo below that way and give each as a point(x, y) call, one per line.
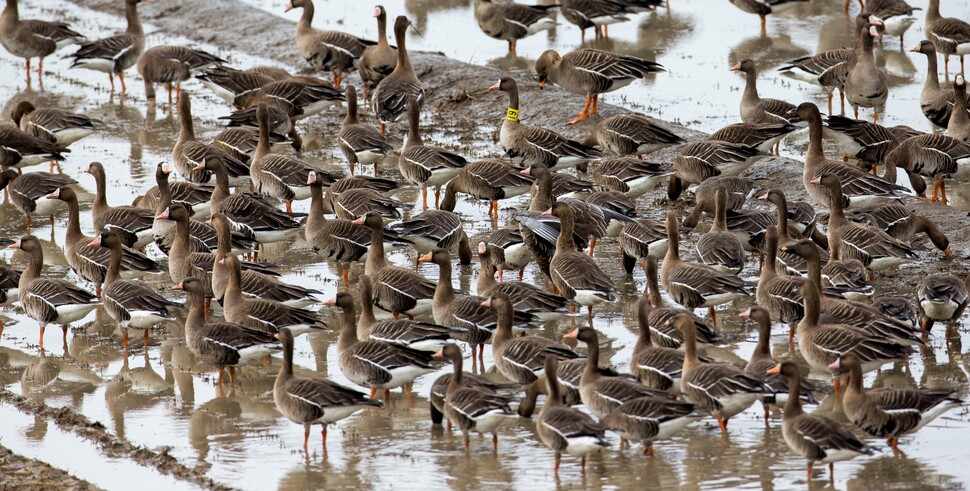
point(720, 248)
point(529, 144)
point(896, 16)
point(360, 143)
point(130, 303)
point(778, 294)
point(309, 401)
point(950, 35)
point(194, 195)
point(738, 189)
point(385, 187)
point(763, 8)
point(511, 251)
point(937, 103)
point(932, 155)
point(297, 97)
point(240, 142)
point(392, 94)
point(701, 160)
point(21, 149)
point(525, 297)
point(396, 290)
point(33, 38)
point(377, 61)
point(434, 229)
point(172, 65)
point(648, 419)
point(724, 390)
point(263, 314)
point(131, 222)
point(694, 285)
point(761, 136)
point(788, 263)
point(58, 126)
point(237, 87)
point(599, 14)
point(630, 134)
point(661, 331)
point(223, 344)
point(472, 408)
point(117, 53)
point(510, 21)
point(865, 85)
point(754, 109)
point(863, 141)
point(356, 202)
point(890, 412)
point(942, 297)
point(897, 307)
point(422, 336)
point(657, 367)
point(49, 300)
point(376, 364)
point(629, 175)
point(27, 190)
point(425, 165)
point(439, 389)
point(189, 153)
point(591, 72)
point(489, 179)
point(566, 429)
point(859, 188)
point(816, 438)
point(642, 239)
point(958, 127)
point(333, 51)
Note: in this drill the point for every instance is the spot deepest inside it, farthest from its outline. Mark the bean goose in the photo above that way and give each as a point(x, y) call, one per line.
point(133, 224)
point(425, 165)
point(117, 53)
point(525, 297)
point(762, 136)
point(332, 51)
point(865, 85)
point(531, 144)
point(630, 134)
point(695, 285)
point(310, 401)
point(937, 103)
point(487, 179)
point(422, 336)
point(376, 364)
point(130, 303)
point(701, 160)
point(814, 437)
point(392, 94)
point(896, 16)
point(396, 290)
point(21, 149)
point(566, 429)
point(58, 126)
point(223, 344)
point(591, 72)
point(719, 248)
point(189, 153)
point(762, 8)
point(755, 109)
point(943, 298)
point(435, 229)
point(932, 155)
point(859, 188)
point(903, 224)
point(33, 38)
point(959, 126)
point(49, 300)
point(510, 21)
point(172, 65)
point(360, 143)
point(891, 412)
point(27, 190)
point(724, 390)
point(472, 408)
point(377, 61)
point(950, 35)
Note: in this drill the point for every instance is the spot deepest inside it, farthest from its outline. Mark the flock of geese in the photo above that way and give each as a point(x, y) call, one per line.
point(820, 284)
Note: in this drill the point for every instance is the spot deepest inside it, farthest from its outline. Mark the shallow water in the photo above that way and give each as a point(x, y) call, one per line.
point(166, 399)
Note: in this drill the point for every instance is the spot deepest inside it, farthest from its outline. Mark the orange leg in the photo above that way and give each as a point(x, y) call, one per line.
point(592, 246)
point(219, 380)
point(596, 99)
point(590, 309)
point(232, 376)
point(437, 197)
point(764, 25)
point(111, 78)
point(337, 79)
point(582, 465)
point(178, 92)
point(832, 474)
point(558, 460)
point(382, 129)
point(28, 71)
point(713, 313)
point(467, 443)
point(809, 472)
point(495, 442)
point(121, 76)
point(306, 437)
point(42, 327)
point(838, 385)
point(501, 274)
point(346, 275)
point(830, 102)
point(585, 112)
point(943, 192)
point(521, 274)
point(289, 207)
point(875, 116)
point(721, 422)
point(323, 437)
point(169, 87)
point(124, 339)
point(424, 198)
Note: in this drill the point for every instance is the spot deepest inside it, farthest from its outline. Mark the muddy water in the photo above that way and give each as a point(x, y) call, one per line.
point(165, 399)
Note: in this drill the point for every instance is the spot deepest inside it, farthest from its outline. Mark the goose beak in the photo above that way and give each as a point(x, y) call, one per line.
point(330, 302)
point(496, 86)
point(816, 180)
point(222, 261)
point(948, 252)
point(745, 315)
point(95, 243)
point(547, 213)
point(55, 195)
point(571, 334)
point(774, 370)
point(199, 166)
point(763, 197)
point(914, 49)
point(15, 245)
point(487, 302)
point(525, 172)
point(542, 84)
point(163, 215)
point(736, 67)
point(791, 112)
point(835, 364)
point(425, 258)
point(288, 8)
point(359, 220)
point(482, 248)
point(166, 169)
point(177, 286)
point(311, 178)
point(439, 354)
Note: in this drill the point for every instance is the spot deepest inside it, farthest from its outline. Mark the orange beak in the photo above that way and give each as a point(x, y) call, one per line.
point(288, 8)
point(425, 258)
point(359, 220)
point(496, 86)
point(746, 314)
point(835, 364)
point(166, 169)
point(816, 180)
point(571, 334)
point(914, 49)
point(95, 243)
point(949, 253)
point(487, 302)
point(736, 67)
point(15, 245)
point(774, 370)
point(177, 286)
point(525, 172)
point(330, 302)
point(547, 213)
point(200, 166)
point(439, 354)
point(163, 215)
point(763, 197)
point(542, 84)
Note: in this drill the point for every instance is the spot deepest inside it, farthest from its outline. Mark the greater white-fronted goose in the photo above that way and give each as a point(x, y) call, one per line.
point(472, 408)
point(658, 367)
point(942, 298)
point(566, 429)
point(91, 263)
point(422, 336)
point(629, 175)
point(779, 294)
point(21, 149)
point(599, 14)
point(720, 248)
point(896, 16)
point(33, 38)
point(240, 142)
point(298, 97)
point(763, 8)
point(332, 51)
point(762, 136)
point(384, 186)
point(525, 297)
point(897, 307)
point(520, 358)
point(376, 364)
point(259, 313)
point(700, 160)
point(648, 419)
point(424, 165)
point(238, 86)
point(662, 332)
point(196, 198)
point(182, 261)
point(859, 188)
point(937, 103)
point(392, 94)
point(754, 108)
point(724, 390)
point(359, 142)
point(434, 229)
point(486, 179)
point(510, 21)
point(814, 437)
point(189, 153)
point(591, 72)
point(642, 239)
point(310, 401)
point(49, 300)
point(890, 412)
point(950, 35)
point(130, 303)
point(786, 263)
point(574, 274)
point(695, 285)
point(117, 53)
point(9, 282)
point(932, 155)
point(58, 126)
point(866, 142)
point(739, 189)
point(529, 144)
point(172, 65)
point(396, 290)
point(27, 190)
point(377, 61)
point(903, 224)
point(436, 397)
point(959, 126)
point(223, 344)
point(133, 224)
point(848, 279)
point(865, 85)
point(514, 253)
point(356, 202)
point(630, 134)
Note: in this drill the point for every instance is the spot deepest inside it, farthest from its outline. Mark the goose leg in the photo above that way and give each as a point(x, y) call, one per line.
point(596, 99)
point(219, 379)
point(585, 112)
point(495, 442)
point(832, 474)
point(842, 101)
point(169, 87)
point(606, 31)
point(289, 206)
point(721, 422)
point(582, 465)
point(124, 339)
point(40, 70)
point(946, 65)
point(42, 327)
point(111, 78)
point(936, 187)
point(855, 112)
point(232, 376)
point(337, 79)
point(846, 9)
point(764, 25)
point(558, 459)
point(592, 246)
point(710, 310)
point(943, 192)
point(121, 76)
point(28, 71)
point(521, 274)
point(830, 101)
point(323, 438)
point(809, 472)
point(875, 116)
point(146, 341)
point(648, 449)
point(481, 356)
point(27, 219)
point(424, 198)
point(589, 308)
point(306, 436)
point(437, 197)
point(387, 396)
point(346, 274)
point(382, 129)
point(467, 442)
point(501, 273)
